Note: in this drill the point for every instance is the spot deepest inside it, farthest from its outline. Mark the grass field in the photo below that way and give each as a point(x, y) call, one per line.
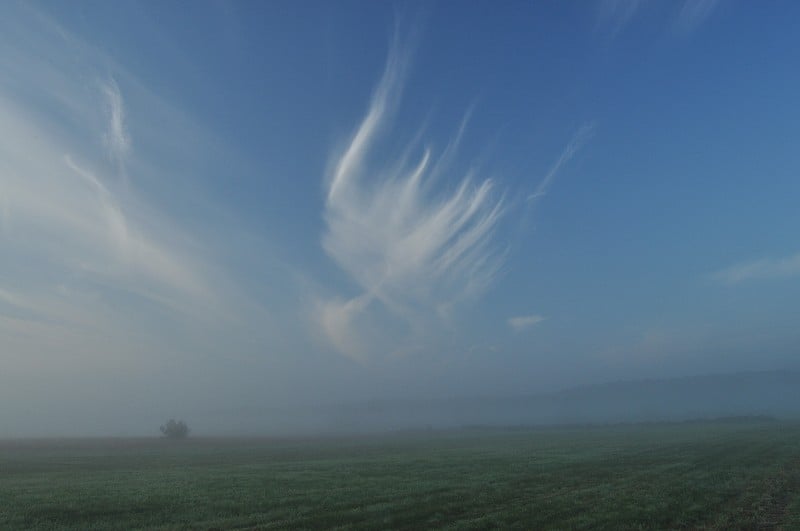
point(718, 475)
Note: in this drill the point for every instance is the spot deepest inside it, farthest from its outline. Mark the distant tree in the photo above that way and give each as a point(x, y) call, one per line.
point(175, 429)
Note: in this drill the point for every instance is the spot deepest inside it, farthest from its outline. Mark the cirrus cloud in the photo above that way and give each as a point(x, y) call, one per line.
point(523, 322)
point(411, 249)
point(764, 268)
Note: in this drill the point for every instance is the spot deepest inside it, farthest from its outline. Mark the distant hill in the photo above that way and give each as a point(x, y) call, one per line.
point(709, 396)
point(747, 394)
point(775, 394)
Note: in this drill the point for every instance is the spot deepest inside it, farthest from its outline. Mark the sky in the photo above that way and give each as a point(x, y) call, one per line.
point(261, 206)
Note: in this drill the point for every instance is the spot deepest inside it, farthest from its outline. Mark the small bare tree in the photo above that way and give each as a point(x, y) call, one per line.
point(175, 429)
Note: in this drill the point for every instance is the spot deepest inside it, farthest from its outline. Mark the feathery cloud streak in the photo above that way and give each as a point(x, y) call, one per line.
point(64, 217)
point(117, 140)
point(81, 248)
point(410, 248)
point(523, 322)
point(581, 136)
point(616, 14)
point(760, 269)
point(694, 12)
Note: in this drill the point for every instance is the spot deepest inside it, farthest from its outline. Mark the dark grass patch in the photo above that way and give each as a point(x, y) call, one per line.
point(693, 475)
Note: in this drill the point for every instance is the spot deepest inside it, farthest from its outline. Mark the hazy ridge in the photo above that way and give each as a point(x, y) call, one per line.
point(767, 393)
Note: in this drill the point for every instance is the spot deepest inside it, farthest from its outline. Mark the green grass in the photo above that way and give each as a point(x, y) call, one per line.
point(721, 475)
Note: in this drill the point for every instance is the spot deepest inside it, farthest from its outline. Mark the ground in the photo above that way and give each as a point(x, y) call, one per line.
point(737, 473)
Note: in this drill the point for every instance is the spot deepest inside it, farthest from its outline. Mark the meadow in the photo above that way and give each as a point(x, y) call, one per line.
point(734, 474)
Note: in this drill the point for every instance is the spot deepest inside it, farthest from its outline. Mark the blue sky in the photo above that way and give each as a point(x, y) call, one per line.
point(279, 204)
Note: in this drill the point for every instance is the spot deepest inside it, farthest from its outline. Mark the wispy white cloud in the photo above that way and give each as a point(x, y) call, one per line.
point(694, 12)
point(338, 320)
point(117, 139)
point(616, 14)
point(410, 247)
point(581, 136)
point(80, 247)
point(760, 269)
point(523, 322)
point(66, 217)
